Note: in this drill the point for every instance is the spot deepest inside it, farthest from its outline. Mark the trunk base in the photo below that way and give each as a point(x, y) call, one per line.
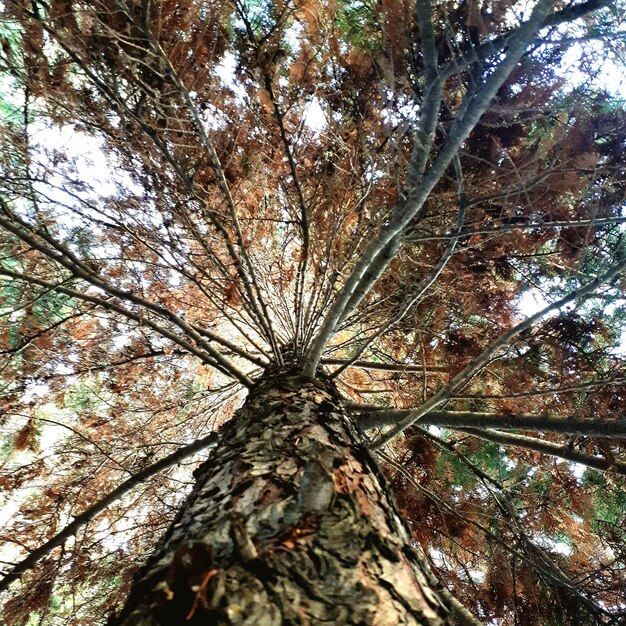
point(289, 523)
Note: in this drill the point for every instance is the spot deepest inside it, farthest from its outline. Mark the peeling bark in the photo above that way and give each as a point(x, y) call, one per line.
point(290, 522)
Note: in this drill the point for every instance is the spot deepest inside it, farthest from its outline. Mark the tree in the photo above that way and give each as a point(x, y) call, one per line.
point(268, 242)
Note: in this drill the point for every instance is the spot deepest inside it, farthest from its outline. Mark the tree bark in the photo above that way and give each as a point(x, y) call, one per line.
point(290, 522)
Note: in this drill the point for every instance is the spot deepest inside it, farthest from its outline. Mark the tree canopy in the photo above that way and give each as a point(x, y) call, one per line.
point(423, 201)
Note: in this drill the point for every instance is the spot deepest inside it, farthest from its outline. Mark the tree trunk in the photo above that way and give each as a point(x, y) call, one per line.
point(290, 522)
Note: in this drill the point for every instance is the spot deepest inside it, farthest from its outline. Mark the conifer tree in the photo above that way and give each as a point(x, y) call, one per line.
point(312, 312)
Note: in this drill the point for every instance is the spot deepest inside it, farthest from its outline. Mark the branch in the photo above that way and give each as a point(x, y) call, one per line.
point(423, 286)
point(548, 447)
point(543, 560)
point(473, 107)
point(303, 222)
point(249, 279)
point(504, 421)
point(433, 91)
point(508, 228)
point(592, 384)
point(461, 616)
point(384, 367)
point(304, 218)
point(120, 105)
point(490, 48)
point(81, 270)
point(377, 267)
point(225, 367)
point(466, 374)
point(26, 340)
point(88, 514)
point(547, 566)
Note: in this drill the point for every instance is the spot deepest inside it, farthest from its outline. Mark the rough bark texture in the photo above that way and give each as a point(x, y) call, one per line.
point(289, 523)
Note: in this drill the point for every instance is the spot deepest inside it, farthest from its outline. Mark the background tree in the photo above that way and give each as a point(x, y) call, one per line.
point(198, 198)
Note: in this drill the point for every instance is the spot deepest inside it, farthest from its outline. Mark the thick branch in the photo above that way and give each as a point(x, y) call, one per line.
point(509, 228)
point(503, 421)
point(422, 287)
point(431, 101)
point(385, 367)
point(550, 448)
point(575, 388)
point(471, 111)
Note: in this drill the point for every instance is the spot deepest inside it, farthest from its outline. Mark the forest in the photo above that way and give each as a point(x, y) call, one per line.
point(312, 312)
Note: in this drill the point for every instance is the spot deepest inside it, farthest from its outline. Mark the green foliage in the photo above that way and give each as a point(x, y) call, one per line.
point(6, 447)
point(262, 16)
point(609, 501)
point(461, 474)
point(10, 85)
point(359, 22)
point(491, 457)
point(85, 396)
point(541, 484)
